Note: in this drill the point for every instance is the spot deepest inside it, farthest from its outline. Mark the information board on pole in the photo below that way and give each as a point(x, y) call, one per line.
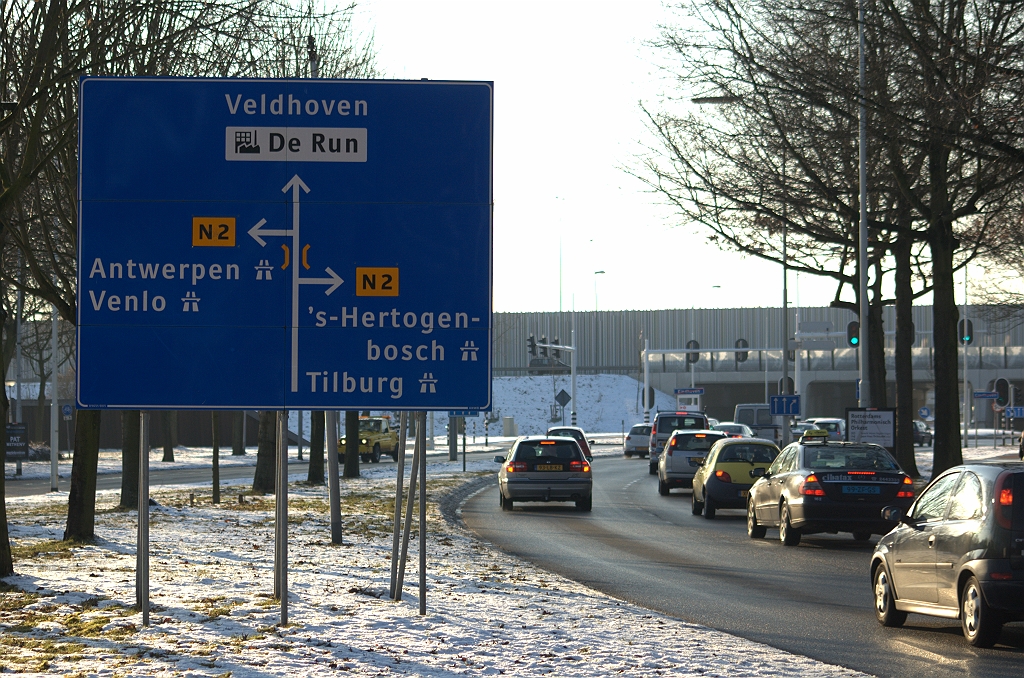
point(872, 425)
point(272, 244)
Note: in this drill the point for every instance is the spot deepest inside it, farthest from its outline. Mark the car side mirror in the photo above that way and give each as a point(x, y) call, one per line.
point(757, 472)
point(498, 459)
point(894, 514)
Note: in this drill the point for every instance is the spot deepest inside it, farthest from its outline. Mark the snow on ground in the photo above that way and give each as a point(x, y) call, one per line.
point(70, 610)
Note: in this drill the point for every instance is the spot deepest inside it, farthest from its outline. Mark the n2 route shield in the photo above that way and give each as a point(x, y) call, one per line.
point(231, 234)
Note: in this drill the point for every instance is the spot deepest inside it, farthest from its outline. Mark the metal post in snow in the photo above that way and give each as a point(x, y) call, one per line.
point(417, 451)
point(402, 436)
point(281, 520)
point(333, 484)
point(423, 530)
point(142, 536)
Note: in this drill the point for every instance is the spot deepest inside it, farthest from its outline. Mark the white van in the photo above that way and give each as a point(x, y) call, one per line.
point(758, 417)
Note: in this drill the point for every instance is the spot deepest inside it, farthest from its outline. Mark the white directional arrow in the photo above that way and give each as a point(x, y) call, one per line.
point(334, 281)
point(256, 232)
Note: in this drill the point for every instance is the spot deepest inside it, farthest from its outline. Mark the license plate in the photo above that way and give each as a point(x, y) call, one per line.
point(696, 461)
point(744, 493)
point(548, 467)
point(861, 489)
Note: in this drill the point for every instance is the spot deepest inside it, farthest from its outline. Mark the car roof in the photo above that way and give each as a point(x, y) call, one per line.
point(818, 419)
point(690, 431)
point(748, 441)
point(990, 468)
point(530, 439)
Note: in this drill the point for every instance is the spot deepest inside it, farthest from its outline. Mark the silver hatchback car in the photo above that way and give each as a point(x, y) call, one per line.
point(542, 468)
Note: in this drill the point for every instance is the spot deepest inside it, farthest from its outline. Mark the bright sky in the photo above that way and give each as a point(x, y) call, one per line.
point(568, 78)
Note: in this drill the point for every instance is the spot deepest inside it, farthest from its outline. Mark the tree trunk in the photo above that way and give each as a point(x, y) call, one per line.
point(351, 444)
point(904, 358)
point(170, 422)
point(6, 559)
point(264, 481)
point(947, 452)
point(317, 424)
point(215, 416)
point(876, 344)
point(130, 448)
point(238, 434)
point(82, 500)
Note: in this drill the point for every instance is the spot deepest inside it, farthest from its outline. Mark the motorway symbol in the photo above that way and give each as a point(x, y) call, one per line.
point(784, 405)
point(340, 185)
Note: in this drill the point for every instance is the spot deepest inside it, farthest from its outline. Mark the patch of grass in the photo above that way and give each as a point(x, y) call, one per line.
point(81, 627)
point(16, 600)
point(52, 548)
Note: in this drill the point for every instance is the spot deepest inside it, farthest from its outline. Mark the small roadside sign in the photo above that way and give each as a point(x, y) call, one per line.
point(65, 411)
point(563, 398)
point(17, 442)
point(924, 413)
point(1015, 412)
point(985, 395)
point(699, 390)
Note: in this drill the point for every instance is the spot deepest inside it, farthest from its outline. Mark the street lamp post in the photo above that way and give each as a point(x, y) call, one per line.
point(596, 273)
point(862, 245)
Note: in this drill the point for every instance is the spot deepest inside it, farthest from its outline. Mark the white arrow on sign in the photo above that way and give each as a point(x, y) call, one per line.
point(334, 281)
point(256, 231)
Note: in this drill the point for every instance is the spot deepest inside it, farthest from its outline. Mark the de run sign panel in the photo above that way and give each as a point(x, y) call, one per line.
point(271, 244)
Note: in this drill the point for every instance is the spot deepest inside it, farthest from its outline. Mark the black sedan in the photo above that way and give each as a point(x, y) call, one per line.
point(959, 552)
point(819, 485)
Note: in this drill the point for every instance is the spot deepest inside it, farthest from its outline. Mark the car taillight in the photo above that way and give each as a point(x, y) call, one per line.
point(1004, 500)
point(811, 487)
point(906, 492)
point(514, 466)
point(723, 476)
point(579, 466)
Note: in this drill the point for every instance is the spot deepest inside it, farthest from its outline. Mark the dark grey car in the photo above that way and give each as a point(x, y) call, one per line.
point(957, 553)
point(542, 468)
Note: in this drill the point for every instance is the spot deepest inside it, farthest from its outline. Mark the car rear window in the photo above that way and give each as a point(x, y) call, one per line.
point(830, 426)
point(700, 441)
point(640, 431)
point(556, 450)
point(568, 433)
point(873, 458)
point(751, 453)
point(677, 422)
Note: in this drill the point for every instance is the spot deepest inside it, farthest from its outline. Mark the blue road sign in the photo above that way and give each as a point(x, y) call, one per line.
point(924, 413)
point(270, 244)
point(1014, 412)
point(690, 391)
point(985, 395)
point(784, 405)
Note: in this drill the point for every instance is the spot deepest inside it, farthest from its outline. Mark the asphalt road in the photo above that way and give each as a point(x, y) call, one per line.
point(814, 600)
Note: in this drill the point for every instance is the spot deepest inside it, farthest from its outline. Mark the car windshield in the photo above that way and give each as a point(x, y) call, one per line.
point(848, 457)
point(369, 425)
point(750, 453)
point(667, 424)
point(698, 441)
point(830, 426)
point(547, 450)
point(640, 431)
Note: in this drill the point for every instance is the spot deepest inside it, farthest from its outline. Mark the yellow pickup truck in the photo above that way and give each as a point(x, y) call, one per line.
point(376, 437)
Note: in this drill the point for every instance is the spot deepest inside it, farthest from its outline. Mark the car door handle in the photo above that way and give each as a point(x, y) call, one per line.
point(931, 541)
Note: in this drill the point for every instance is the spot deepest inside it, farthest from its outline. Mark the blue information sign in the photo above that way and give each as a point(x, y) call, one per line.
point(1014, 412)
point(784, 405)
point(924, 413)
point(695, 391)
point(272, 244)
point(985, 395)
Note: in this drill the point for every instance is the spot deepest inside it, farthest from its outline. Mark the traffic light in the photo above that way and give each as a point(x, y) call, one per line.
point(555, 352)
point(543, 346)
point(531, 346)
point(853, 333)
point(1003, 392)
point(965, 331)
point(741, 356)
point(1015, 396)
point(691, 358)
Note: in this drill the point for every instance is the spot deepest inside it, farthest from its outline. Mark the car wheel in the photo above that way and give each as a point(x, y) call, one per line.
point(885, 601)
point(394, 456)
point(375, 457)
point(627, 455)
point(788, 535)
point(365, 458)
point(663, 489)
point(862, 536)
point(709, 509)
point(981, 624)
point(652, 469)
point(585, 504)
point(697, 507)
point(506, 502)
point(754, 531)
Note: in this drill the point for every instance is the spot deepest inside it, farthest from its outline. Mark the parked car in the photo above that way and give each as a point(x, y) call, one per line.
point(684, 452)
point(922, 433)
point(543, 468)
point(733, 429)
point(665, 423)
point(759, 418)
point(957, 553)
point(836, 427)
point(577, 434)
point(725, 477)
point(821, 485)
point(638, 441)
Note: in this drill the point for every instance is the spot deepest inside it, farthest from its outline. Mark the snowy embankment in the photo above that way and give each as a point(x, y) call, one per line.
point(70, 610)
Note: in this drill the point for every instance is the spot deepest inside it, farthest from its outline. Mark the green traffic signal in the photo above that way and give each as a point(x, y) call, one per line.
point(853, 333)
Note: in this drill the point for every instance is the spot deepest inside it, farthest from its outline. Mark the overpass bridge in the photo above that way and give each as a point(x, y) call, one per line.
point(613, 341)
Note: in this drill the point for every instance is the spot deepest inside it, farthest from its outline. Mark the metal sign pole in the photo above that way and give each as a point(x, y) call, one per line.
point(142, 539)
point(333, 484)
point(402, 425)
point(423, 530)
point(281, 521)
point(417, 452)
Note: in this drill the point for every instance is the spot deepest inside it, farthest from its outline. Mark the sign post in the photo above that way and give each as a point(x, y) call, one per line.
point(284, 244)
